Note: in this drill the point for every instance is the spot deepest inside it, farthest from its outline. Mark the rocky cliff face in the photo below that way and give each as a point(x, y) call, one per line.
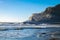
point(50, 15)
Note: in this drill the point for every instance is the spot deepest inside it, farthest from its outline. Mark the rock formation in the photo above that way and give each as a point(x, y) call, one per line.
point(50, 15)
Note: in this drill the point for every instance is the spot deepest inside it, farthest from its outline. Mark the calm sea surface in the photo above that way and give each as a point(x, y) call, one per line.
point(28, 34)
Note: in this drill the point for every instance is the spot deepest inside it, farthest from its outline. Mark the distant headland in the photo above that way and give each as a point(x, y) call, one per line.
point(50, 16)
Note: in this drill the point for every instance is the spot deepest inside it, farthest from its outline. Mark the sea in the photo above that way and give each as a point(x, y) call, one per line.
point(28, 34)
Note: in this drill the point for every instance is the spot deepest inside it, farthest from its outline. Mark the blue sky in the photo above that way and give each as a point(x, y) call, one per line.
point(21, 10)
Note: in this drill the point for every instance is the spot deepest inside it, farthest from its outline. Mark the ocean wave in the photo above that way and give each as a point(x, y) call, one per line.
point(16, 33)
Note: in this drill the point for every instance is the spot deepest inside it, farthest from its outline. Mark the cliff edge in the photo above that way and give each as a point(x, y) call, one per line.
point(50, 15)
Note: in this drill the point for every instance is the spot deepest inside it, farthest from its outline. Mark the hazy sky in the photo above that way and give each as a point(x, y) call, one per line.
point(21, 10)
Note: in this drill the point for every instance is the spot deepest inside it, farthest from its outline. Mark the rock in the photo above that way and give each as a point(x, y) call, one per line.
point(50, 15)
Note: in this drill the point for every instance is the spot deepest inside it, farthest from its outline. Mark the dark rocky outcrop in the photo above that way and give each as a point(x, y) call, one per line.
point(50, 15)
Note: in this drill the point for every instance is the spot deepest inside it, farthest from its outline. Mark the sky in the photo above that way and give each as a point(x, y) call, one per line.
point(21, 10)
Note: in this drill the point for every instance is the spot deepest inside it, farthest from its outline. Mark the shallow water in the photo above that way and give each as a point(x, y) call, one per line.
point(27, 34)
